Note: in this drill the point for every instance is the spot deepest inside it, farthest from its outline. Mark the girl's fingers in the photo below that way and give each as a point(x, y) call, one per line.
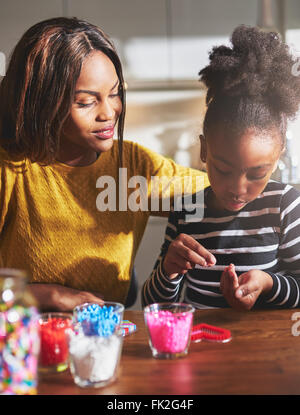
point(176, 268)
point(184, 253)
point(233, 276)
point(182, 265)
point(246, 297)
point(229, 281)
point(195, 252)
point(246, 289)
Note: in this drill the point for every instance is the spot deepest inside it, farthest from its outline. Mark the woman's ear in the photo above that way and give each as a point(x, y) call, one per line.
point(203, 148)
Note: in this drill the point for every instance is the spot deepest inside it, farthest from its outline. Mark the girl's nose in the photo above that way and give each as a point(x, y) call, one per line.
point(238, 187)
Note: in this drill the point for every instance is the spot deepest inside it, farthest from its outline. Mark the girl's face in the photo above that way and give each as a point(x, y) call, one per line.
point(90, 127)
point(239, 169)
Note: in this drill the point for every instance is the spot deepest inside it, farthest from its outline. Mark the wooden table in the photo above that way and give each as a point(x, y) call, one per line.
point(263, 357)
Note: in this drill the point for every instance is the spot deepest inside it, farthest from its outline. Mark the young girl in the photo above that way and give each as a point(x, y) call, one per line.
point(61, 101)
point(245, 250)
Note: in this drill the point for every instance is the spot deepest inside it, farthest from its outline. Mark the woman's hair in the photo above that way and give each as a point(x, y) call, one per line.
point(251, 84)
point(38, 90)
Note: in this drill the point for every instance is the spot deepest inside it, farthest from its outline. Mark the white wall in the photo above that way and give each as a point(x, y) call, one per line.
point(16, 16)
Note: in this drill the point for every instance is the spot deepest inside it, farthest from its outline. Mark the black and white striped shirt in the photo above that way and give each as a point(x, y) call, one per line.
point(264, 235)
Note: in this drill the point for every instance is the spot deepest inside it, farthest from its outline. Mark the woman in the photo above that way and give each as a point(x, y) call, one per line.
point(61, 101)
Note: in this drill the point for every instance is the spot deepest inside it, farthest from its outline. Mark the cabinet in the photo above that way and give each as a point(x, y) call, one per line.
point(165, 40)
point(159, 40)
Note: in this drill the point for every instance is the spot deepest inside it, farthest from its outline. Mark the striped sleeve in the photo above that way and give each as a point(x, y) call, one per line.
point(158, 287)
point(286, 283)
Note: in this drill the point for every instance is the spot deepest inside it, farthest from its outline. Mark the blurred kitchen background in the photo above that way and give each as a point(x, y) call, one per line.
point(163, 44)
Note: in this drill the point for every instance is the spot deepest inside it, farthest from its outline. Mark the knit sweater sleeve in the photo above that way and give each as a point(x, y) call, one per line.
point(285, 292)
point(167, 181)
point(159, 287)
point(8, 174)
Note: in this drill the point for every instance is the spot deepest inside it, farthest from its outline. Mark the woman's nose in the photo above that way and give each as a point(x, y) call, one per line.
point(105, 111)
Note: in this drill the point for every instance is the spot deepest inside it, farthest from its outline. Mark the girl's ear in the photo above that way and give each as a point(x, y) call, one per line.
point(203, 149)
point(275, 167)
point(276, 164)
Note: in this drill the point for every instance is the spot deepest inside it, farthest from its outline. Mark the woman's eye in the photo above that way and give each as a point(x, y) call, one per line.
point(115, 94)
point(87, 104)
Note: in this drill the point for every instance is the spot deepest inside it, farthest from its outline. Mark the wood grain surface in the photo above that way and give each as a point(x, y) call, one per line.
point(263, 357)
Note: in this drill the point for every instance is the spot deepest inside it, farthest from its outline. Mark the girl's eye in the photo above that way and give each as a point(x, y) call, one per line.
point(222, 171)
point(257, 178)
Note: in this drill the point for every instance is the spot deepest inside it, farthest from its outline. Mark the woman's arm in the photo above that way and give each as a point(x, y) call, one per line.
point(55, 297)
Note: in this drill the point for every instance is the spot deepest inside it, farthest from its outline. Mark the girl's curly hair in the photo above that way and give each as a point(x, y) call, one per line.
point(250, 84)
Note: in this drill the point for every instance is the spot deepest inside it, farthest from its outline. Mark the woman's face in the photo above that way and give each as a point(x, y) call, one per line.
point(90, 127)
point(239, 169)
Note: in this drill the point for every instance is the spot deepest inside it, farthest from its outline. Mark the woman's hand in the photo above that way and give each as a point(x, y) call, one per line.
point(55, 297)
point(242, 292)
point(183, 253)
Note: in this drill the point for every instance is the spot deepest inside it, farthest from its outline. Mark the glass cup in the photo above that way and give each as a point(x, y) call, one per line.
point(94, 360)
point(169, 327)
point(54, 351)
point(95, 345)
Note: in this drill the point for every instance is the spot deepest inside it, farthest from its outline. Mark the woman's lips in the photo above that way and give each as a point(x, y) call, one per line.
point(104, 133)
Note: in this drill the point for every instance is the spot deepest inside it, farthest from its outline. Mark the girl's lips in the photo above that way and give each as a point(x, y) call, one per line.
point(236, 205)
point(104, 133)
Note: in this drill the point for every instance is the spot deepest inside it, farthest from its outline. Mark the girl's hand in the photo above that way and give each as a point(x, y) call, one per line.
point(242, 292)
point(183, 253)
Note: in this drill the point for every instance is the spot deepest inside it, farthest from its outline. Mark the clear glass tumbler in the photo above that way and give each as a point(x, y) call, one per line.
point(54, 351)
point(94, 360)
point(169, 327)
point(95, 345)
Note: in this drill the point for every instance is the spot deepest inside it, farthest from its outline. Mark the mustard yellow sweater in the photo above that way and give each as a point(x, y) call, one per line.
point(52, 227)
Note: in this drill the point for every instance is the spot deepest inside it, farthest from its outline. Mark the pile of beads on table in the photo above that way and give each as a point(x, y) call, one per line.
point(127, 327)
point(97, 320)
point(19, 348)
point(170, 333)
point(94, 359)
point(54, 343)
